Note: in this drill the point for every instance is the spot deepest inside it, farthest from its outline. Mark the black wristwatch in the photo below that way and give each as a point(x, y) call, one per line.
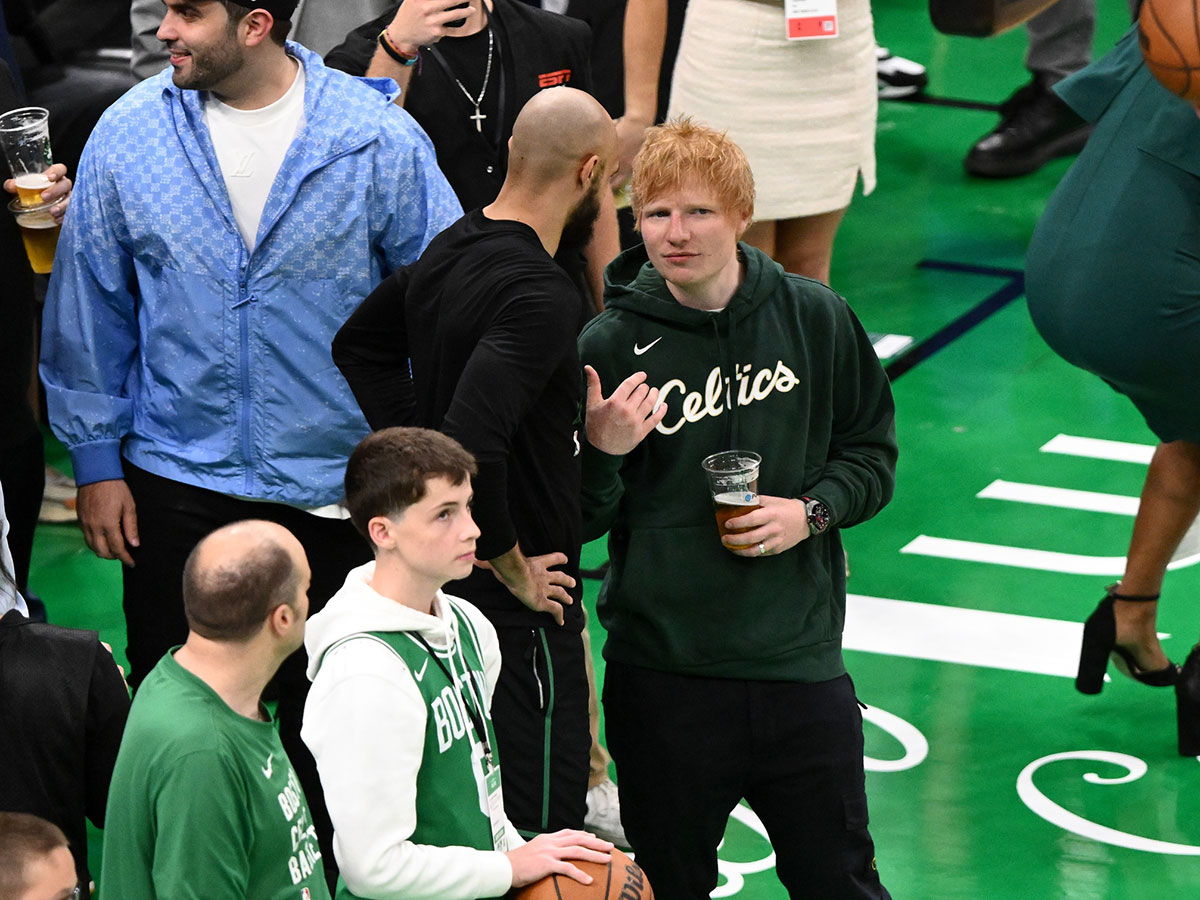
point(818, 515)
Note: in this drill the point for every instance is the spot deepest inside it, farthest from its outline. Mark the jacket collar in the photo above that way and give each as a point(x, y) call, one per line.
point(330, 130)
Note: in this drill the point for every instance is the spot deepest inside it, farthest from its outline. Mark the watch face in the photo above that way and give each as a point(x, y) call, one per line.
point(818, 516)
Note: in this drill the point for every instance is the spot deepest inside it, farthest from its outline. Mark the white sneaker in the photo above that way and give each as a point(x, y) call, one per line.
point(603, 817)
point(898, 77)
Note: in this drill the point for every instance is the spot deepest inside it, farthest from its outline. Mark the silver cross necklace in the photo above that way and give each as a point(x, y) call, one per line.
point(477, 101)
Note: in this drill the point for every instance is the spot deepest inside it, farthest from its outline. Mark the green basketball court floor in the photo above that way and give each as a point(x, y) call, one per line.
point(988, 775)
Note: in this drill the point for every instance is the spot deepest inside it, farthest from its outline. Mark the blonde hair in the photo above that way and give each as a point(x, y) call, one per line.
point(682, 151)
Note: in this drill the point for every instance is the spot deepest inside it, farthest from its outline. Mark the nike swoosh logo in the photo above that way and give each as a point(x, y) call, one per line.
point(269, 768)
point(638, 351)
point(420, 676)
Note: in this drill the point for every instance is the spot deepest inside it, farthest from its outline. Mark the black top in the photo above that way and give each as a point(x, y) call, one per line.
point(489, 322)
point(63, 707)
point(538, 49)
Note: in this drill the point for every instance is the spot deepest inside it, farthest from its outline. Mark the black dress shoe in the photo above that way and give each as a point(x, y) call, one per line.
point(1035, 127)
point(1100, 645)
point(1187, 705)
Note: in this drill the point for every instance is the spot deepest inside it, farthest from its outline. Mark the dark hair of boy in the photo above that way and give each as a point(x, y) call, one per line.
point(24, 839)
point(389, 469)
point(230, 602)
point(236, 11)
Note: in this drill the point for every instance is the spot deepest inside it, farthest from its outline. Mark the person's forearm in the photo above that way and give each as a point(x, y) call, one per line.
point(511, 566)
point(644, 39)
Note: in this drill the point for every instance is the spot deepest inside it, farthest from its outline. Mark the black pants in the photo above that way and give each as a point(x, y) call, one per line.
point(540, 713)
point(688, 749)
point(172, 518)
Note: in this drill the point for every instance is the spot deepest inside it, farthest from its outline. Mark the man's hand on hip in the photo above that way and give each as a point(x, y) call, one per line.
point(108, 518)
point(533, 581)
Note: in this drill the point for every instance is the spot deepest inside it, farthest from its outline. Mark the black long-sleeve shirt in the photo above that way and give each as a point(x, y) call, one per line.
point(488, 323)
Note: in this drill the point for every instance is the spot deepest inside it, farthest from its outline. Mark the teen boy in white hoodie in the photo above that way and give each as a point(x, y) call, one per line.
point(398, 716)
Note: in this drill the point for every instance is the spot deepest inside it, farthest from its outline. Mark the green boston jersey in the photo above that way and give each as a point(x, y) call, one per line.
point(452, 807)
point(204, 803)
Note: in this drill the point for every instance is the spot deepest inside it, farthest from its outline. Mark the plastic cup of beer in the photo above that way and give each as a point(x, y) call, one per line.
point(39, 231)
point(733, 482)
point(25, 140)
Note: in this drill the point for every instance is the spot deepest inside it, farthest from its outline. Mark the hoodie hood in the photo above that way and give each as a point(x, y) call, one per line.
point(631, 282)
point(359, 608)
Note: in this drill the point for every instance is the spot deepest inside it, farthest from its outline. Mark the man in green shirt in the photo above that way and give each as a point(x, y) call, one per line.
point(204, 803)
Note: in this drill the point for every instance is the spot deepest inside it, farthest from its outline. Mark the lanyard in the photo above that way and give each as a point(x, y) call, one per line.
point(475, 707)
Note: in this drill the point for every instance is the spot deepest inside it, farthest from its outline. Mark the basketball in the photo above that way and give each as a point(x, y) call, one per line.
point(1169, 35)
point(618, 879)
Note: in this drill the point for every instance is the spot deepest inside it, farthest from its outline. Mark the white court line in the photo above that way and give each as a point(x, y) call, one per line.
point(1095, 448)
point(1063, 498)
point(1025, 558)
point(888, 345)
point(970, 637)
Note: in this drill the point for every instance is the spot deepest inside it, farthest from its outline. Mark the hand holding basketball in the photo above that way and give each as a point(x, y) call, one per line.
point(551, 854)
point(1169, 35)
point(616, 877)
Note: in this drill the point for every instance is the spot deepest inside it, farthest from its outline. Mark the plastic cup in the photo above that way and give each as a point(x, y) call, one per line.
point(733, 483)
point(25, 141)
point(39, 231)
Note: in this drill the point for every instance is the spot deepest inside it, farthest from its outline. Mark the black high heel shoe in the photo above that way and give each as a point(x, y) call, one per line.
point(1100, 645)
point(1187, 705)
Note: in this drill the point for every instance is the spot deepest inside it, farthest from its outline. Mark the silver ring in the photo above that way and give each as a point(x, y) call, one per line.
point(762, 550)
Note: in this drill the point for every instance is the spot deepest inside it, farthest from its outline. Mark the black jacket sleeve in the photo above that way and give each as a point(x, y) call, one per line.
point(507, 373)
point(107, 710)
point(371, 351)
point(354, 54)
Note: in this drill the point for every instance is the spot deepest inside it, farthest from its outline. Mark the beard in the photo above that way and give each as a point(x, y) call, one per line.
point(209, 66)
point(577, 231)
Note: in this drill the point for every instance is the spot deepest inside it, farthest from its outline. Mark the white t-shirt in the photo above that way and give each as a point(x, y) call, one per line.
point(250, 145)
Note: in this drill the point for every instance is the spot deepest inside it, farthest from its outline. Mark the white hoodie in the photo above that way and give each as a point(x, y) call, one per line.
point(365, 724)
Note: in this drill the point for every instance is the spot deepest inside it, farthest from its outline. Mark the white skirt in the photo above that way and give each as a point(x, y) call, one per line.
point(802, 111)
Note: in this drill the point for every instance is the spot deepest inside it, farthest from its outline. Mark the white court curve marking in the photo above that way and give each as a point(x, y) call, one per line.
point(1043, 806)
point(735, 872)
point(916, 747)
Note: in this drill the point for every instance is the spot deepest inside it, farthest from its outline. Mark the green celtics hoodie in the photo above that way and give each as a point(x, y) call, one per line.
point(784, 370)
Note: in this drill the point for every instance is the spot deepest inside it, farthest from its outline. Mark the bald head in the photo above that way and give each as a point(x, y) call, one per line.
point(238, 575)
point(556, 132)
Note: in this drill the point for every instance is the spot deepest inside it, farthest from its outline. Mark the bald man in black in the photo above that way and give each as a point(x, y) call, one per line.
point(489, 324)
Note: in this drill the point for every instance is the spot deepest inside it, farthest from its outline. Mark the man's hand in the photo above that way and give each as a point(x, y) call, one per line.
point(60, 190)
point(548, 854)
point(631, 132)
point(618, 424)
point(780, 524)
point(533, 581)
point(419, 23)
point(109, 519)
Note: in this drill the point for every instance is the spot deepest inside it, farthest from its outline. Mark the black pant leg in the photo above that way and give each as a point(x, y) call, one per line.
point(539, 712)
point(681, 748)
point(809, 789)
point(172, 518)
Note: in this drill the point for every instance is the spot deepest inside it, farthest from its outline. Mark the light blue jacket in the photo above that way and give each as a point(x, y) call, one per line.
point(167, 341)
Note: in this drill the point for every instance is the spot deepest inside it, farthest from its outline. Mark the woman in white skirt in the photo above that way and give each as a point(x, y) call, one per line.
point(802, 111)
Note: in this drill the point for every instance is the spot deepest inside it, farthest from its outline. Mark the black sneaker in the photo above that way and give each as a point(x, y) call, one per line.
point(1035, 127)
point(898, 77)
